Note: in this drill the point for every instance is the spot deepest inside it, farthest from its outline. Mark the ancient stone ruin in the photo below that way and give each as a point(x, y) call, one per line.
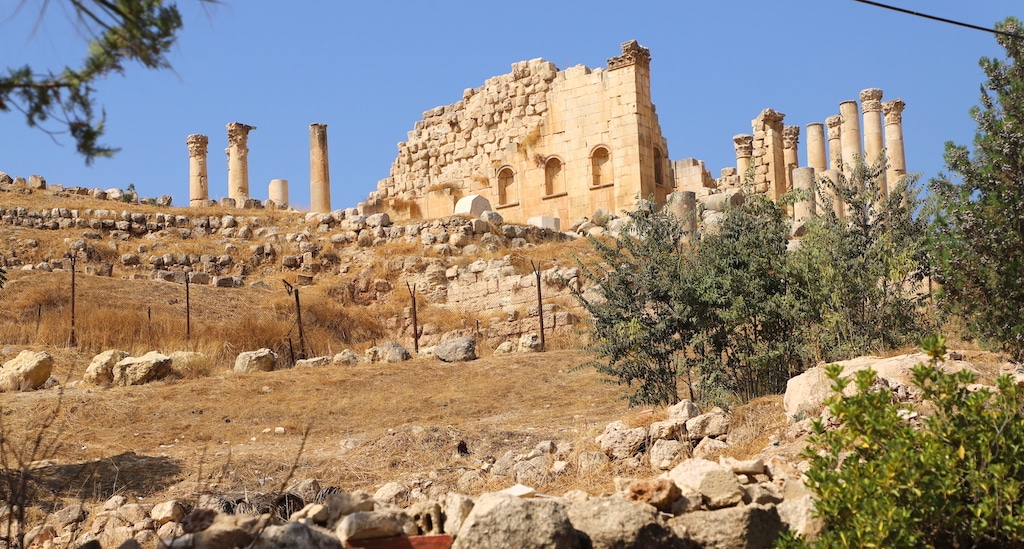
point(542, 145)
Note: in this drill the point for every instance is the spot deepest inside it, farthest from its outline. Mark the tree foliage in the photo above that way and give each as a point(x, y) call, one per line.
point(119, 32)
point(884, 481)
point(856, 278)
point(980, 228)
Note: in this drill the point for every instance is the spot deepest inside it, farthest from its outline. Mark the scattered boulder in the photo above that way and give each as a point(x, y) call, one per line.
point(26, 372)
point(505, 348)
point(460, 349)
point(101, 367)
point(614, 522)
point(262, 360)
point(142, 369)
point(384, 523)
point(618, 442)
point(745, 526)
point(473, 204)
point(529, 343)
point(716, 484)
point(389, 351)
point(346, 358)
point(500, 521)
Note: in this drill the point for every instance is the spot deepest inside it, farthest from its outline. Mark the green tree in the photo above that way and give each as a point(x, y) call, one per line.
point(980, 227)
point(886, 478)
point(855, 278)
point(119, 32)
point(746, 336)
point(642, 315)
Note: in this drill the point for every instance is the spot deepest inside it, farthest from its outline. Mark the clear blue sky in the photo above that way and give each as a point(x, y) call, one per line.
point(369, 69)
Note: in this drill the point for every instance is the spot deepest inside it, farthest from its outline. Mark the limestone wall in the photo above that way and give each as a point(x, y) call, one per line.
point(537, 141)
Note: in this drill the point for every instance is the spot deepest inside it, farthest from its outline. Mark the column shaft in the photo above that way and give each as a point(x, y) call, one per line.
point(238, 162)
point(816, 147)
point(894, 140)
point(319, 172)
point(850, 138)
point(871, 106)
point(198, 180)
point(744, 145)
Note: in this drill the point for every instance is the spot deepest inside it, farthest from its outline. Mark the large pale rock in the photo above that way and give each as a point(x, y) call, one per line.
point(672, 428)
point(473, 204)
point(27, 371)
point(716, 484)
point(229, 531)
point(389, 351)
point(137, 370)
point(806, 393)
point(460, 349)
point(344, 503)
point(347, 357)
point(659, 493)
point(101, 367)
point(798, 515)
point(262, 360)
point(684, 410)
point(743, 527)
point(707, 425)
point(665, 453)
point(384, 523)
point(612, 522)
point(392, 493)
point(617, 442)
point(456, 508)
point(501, 521)
point(709, 447)
point(296, 535)
point(529, 343)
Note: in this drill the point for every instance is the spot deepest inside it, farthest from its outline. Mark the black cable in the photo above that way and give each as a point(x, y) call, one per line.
point(941, 19)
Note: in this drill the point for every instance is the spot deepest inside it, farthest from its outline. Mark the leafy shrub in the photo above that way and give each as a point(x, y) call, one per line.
point(955, 481)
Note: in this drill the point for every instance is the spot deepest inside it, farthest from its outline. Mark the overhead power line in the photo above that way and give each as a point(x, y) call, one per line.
point(941, 19)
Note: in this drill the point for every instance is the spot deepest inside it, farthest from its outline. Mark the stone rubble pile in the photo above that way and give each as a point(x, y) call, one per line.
point(698, 503)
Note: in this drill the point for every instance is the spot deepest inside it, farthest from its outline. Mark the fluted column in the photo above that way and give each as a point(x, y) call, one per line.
point(816, 147)
point(238, 162)
point(850, 138)
point(198, 181)
point(319, 172)
point(871, 107)
point(893, 111)
point(744, 145)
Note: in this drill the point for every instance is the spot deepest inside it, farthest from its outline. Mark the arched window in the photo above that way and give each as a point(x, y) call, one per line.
point(506, 186)
point(554, 181)
point(659, 169)
point(601, 167)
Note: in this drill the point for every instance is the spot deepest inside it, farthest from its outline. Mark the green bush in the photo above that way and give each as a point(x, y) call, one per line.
point(953, 479)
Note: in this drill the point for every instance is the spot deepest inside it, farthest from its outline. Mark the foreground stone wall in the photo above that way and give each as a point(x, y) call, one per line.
point(536, 142)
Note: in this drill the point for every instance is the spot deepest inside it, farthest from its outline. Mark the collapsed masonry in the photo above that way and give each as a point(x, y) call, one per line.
point(562, 144)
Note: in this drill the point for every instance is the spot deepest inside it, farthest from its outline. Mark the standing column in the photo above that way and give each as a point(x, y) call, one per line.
point(804, 207)
point(894, 140)
point(816, 147)
point(835, 154)
point(198, 182)
point(835, 148)
point(790, 150)
point(850, 138)
point(319, 173)
point(744, 144)
point(238, 162)
point(871, 107)
point(278, 193)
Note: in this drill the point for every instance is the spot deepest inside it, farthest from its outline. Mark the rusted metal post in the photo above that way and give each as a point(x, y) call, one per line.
point(188, 309)
point(292, 290)
point(540, 306)
point(73, 339)
point(415, 322)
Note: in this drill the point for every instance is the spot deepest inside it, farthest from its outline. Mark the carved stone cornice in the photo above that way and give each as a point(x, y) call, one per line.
point(770, 117)
point(834, 124)
point(632, 54)
point(197, 144)
point(893, 111)
point(744, 144)
point(790, 137)
point(871, 100)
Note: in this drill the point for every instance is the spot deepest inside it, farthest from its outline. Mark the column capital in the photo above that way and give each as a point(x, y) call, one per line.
point(893, 111)
point(744, 144)
point(790, 137)
point(238, 133)
point(871, 100)
point(769, 116)
point(197, 144)
point(834, 123)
